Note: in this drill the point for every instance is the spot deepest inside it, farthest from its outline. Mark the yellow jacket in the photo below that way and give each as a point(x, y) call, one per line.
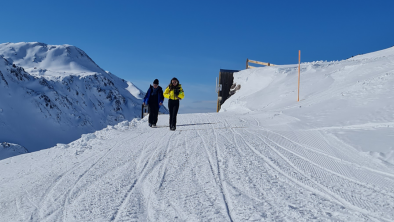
point(169, 94)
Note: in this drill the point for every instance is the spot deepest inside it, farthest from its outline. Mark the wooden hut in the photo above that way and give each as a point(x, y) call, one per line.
point(224, 85)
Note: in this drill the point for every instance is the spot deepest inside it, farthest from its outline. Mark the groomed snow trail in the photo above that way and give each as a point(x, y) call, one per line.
point(215, 167)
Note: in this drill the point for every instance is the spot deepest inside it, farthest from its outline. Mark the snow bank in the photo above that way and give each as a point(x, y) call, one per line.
point(349, 98)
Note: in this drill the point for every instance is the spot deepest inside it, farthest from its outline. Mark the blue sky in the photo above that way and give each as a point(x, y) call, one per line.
point(191, 40)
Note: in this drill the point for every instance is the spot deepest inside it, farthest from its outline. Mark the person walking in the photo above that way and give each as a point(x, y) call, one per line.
point(154, 98)
point(173, 93)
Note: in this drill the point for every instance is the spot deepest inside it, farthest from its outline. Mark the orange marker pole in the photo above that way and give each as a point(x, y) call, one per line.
point(299, 62)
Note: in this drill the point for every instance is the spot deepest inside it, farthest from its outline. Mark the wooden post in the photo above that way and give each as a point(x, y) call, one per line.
point(247, 63)
point(299, 62)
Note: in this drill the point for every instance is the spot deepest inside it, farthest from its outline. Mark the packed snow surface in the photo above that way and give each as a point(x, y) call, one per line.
point(264, 157)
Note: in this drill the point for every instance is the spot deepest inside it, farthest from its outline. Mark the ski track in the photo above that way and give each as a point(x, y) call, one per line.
point(333, 168)
point(80, 176)
point(214, 168)
point(319, 149)
point(225, 195)
point(353, 203)
point(349, 202)
point(143, 173)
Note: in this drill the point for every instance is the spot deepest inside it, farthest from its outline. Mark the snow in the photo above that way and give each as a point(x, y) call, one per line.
point(264, 157)
point(134, 90)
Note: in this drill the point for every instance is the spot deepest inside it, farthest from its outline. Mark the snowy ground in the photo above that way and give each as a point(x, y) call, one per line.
point(220, 167)
point(264, 157)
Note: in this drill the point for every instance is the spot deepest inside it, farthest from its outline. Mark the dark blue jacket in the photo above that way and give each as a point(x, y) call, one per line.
point(160, 97)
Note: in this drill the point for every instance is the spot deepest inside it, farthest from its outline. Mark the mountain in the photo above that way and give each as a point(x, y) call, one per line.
point(9, 150)
point(264, 157)
point(53, 94)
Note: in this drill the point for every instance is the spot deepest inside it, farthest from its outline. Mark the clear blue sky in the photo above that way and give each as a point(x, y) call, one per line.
point(191, 40)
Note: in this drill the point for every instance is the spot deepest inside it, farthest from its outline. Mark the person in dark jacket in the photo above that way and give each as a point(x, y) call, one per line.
point(154, 98)
point(174, 92)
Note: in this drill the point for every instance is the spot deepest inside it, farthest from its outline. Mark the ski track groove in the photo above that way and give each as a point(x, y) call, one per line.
point(56, 184)
point(61, 177)
point(81, 176)
point(235, 139)
point(344, 201)
point(336, 169)
point(327, 155)
point(115, 215)
point(324, 158)
point(163, 169)
point(330, 195)
point(209, 159)
point(222, 186)
point(58, 180)
point(18, 209)
point(141, 177)
point(165, 160)
point(160, 179)
point(28, 198)
point(217, 177)
point(327, 191)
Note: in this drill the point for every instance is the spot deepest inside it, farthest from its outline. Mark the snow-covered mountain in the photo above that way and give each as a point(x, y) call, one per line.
point(264, 157)
point(53, 94)
point(9, 150)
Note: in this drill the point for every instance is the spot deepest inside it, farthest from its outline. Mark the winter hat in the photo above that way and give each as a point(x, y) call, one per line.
point(156, 81)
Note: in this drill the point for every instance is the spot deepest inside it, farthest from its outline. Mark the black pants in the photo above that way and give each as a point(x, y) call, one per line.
point(173, 106)
point(153, 112)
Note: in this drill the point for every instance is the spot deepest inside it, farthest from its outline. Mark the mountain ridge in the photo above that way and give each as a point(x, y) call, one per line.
point(66, 95)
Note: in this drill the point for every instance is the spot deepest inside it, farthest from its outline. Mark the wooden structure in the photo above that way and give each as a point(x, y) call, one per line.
point(256, 62)
point(223, 86)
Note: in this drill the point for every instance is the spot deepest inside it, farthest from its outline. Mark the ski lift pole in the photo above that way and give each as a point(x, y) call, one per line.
point(299, 62)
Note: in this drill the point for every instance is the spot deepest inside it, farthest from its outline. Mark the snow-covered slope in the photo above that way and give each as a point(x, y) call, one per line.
point(352, 99)
point(260, 159)
point(54, 94)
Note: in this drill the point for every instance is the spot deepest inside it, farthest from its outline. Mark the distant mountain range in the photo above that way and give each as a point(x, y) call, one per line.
point(55, 93)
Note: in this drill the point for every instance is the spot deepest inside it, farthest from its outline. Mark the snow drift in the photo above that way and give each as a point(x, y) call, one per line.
point(352, 99)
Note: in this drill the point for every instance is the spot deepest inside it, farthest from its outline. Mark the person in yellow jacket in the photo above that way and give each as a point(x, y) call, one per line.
point(173, 93)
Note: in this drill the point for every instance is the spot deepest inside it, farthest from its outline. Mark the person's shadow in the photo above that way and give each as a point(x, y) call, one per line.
point(191, 124)
point(194, 124)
